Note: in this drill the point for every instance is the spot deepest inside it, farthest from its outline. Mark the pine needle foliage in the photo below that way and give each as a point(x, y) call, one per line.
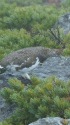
point(49, 97)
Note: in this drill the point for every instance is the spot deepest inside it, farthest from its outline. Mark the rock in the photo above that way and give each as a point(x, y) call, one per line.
point(27, 56)
point(64, 23)
point(25, 79)
point(4, 80)
point(51, 121)
point(6, 76)
point(6, 110)
point(2, 70)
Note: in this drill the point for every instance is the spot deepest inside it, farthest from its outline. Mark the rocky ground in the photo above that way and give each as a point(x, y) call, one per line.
point(5, 110)
point(51, 121)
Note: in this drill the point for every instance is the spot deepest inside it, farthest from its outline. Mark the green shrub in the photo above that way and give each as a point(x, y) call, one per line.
point(23, 2)
point(11, 40)
point(67, 112)
point(5, 123)
point(66, 42)
point(49, 97)
point(66, 4)
point(28, 26)
point(66, 51)
point(28, 17)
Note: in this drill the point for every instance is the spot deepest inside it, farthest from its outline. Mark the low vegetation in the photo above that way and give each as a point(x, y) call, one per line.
point(25, 23)
point(49, 97)
point(23, 26)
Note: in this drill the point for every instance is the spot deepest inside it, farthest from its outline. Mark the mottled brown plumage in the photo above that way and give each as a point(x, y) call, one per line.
point(27, 56)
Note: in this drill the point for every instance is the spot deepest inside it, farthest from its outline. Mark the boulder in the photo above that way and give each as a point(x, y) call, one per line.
point(64, 23)
point(52, 121)
point(6, 110)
